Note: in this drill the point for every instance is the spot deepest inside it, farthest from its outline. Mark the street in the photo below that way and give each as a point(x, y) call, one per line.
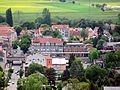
point(14, 78)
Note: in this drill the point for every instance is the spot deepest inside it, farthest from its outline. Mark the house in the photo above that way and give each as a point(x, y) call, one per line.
point(7, 34)
point(92, 33)
point(47, 44)
point(75, 32)
point(44, 60)
point(111, 88)
point(64, 30)
point(59, 64)
point(38, 32)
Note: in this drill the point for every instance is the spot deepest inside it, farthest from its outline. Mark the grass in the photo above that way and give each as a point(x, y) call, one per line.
point(28, 10)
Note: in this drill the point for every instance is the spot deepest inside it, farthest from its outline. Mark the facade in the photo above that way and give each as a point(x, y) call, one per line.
point(7, 34)
point(64, 29)
point(47, 44)
point(75, 32)
point(59, 64)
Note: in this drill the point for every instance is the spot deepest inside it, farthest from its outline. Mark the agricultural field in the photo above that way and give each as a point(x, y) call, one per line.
point(28, 10)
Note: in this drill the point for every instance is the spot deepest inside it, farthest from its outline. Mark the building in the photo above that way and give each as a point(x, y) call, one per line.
point(44, 60)
point(59, 64)
point(75, 32)
point(46, 44)
point(7, 34)
point(64, 30)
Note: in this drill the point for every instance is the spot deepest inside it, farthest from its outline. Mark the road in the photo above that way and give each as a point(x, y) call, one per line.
point(14, 78)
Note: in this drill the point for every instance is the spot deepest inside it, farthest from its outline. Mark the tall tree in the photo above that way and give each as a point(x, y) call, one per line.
point(66, 75)
point(76, 69)
point(32, 82)
point(46, 16)
point(94, 72)
point(2, 19)
point(50, 73)
point(18, 29)
point(9, 18)
point(83, 34)
point(71, 59)
point(93, 54)
point(35, 68)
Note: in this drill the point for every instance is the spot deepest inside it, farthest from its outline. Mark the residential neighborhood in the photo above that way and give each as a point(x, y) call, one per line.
point(59, 53)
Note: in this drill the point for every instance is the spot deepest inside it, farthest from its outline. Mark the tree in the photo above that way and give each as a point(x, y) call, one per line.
point(2, 19)
point(25, 43)
point(110, 60)
point(94, 40)
point(35, 68)
point(83, 34)
point(93, 54)
point(71, 59)
point(76, 69)
point(21, 73)
point(65, 75)
point(9, 18)
point(50, 74)
point(46, 16)
point(2, 80)
point(32, 82)
point(119, 16)
point(28, 25)
point(100, 44)
point(57, 34)
point(47, 33)
point(15, 44)
point(89, 41)
point(94, 72)
point(38, 22)
point(18, 29)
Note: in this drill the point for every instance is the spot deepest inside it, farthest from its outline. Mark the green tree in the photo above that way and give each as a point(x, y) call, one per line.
point(9, 18)
point(83, 34)
point(93, 54)
point(21, 73)
point(32, 82)
point(76, 69)
point(38, 22)
point(2, 80)
point(15, 44)
point(71, 59)
point(119, 16)
point(110, 60)
point(50, 74)
point(47, 33)
point(28, 25)
point(18, 29)
point(35, 68)
point(57, 34)
point(2, 19)
point(65, 75)
point(89, 41)
point(24, 43)
point(94, 72)
point(100, 44)
point(46, 16)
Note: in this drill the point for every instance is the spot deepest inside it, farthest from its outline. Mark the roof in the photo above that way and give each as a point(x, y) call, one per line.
point(59, 61)
point(6, 30)
point(74, 44)
point(60, 26)
point(111, 88)
point(38, 30)
point(47, 40)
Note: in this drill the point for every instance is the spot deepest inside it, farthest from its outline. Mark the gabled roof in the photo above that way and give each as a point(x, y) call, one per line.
point(6, 30)
point(60, 26)
point(47, 40)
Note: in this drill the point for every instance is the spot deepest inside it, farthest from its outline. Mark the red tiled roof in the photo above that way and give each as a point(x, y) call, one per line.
point(60, 26)
point(5, 30)
point(45, 40)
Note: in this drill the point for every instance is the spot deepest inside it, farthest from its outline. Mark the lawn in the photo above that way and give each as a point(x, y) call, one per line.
point(28, 10)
